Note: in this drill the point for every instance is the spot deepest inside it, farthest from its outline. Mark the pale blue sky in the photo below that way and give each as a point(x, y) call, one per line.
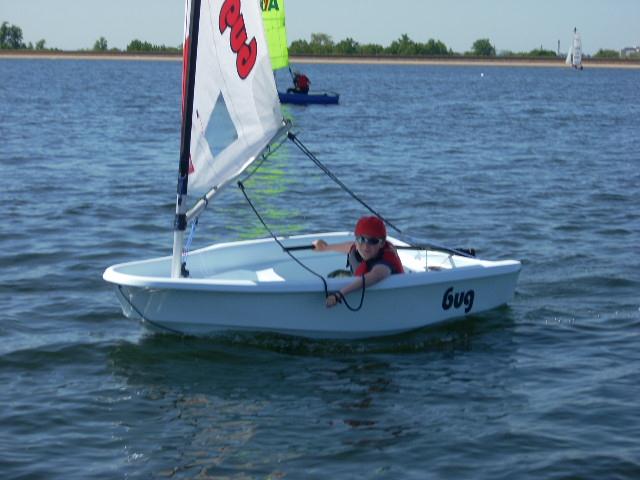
point(517, 25)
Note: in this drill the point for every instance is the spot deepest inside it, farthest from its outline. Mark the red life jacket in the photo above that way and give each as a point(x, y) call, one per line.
point(302, 82)
point(387, 256)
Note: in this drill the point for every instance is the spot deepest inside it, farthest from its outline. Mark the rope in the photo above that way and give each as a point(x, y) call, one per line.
point(187, 245)
point(284, 249)
point(333, 177)
point(324, 282)
point(264, 156)
point(346, 304)
point(144, 319)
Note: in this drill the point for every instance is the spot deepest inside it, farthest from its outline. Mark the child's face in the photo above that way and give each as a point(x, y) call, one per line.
point(368, 247)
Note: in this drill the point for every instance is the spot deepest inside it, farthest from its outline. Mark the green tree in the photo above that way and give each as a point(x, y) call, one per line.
point(299, 47)
point(321, 43)
point(403, 46)
point(483, 48)
point(541, 52)
point(11, 37)
point(101, 45)
point(140, 46)
point(40, 44)
point(348, 46)
point(371, 49)
point(605, 53)
point(433, 47)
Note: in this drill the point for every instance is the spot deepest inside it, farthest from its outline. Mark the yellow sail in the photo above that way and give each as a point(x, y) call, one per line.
point(276, 32)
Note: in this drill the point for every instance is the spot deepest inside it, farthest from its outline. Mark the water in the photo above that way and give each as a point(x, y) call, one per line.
point(535, 164)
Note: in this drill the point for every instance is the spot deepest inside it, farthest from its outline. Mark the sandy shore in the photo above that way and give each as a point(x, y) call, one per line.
point(44, 55)
point(464, 61)
point(451, 61)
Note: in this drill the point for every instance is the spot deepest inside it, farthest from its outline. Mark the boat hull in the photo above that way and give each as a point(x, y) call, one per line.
point(274, 297)
point(325, 98)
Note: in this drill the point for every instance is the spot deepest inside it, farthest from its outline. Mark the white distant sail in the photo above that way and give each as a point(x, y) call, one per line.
point(574, 57)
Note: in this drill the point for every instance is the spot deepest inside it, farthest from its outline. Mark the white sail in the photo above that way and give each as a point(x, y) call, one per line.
point(233, 81)
point(574, 57)
point(577, 49)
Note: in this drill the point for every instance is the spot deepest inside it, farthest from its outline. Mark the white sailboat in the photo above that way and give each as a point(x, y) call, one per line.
point(262, 285)
point(574, 57)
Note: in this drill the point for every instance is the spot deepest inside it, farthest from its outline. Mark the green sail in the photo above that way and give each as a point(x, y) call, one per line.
point(276, 32)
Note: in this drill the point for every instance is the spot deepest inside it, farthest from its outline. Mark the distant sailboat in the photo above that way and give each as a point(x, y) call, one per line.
point(574, 57)
point(273, 19)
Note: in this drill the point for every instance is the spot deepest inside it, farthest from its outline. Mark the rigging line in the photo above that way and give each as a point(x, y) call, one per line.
point(157, 325)
point(265, 156)
point(187, 245)
point(324, 282)
point(333, 177)
point(203, 202)
point(346, 304)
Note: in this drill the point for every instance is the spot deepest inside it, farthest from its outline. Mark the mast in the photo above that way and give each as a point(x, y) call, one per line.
point(180, 222)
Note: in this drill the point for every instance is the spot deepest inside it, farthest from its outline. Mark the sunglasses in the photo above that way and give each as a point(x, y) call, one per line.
point(369, 240)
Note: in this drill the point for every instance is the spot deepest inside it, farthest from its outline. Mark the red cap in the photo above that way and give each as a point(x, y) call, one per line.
point(371, 227)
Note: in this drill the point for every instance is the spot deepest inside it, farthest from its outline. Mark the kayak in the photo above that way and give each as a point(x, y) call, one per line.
point(324, 98)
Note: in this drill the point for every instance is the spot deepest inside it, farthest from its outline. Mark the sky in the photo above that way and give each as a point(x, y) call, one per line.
point(515, 25)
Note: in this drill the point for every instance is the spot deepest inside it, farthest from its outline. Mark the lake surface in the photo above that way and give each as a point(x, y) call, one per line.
point(537, 164)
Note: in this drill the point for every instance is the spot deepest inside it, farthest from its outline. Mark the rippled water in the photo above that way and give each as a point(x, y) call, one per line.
point(530, 163)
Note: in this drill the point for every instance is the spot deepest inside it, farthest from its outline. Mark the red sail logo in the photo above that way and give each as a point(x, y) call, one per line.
point(230, 17)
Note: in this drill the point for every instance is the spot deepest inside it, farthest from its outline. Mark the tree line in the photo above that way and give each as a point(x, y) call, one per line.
point(322, 44)
point(11, 39)
point(319, 44)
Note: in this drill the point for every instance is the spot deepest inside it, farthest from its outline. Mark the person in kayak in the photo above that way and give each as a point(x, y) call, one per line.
point(301, 83)
point(371, 256)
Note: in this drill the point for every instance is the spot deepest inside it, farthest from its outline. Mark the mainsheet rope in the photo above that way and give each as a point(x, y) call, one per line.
point(463, 252)
point(291, 136)
point(339, 182)
point(339, 296)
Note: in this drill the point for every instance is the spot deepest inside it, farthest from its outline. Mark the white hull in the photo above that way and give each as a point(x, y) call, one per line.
point(255, 286)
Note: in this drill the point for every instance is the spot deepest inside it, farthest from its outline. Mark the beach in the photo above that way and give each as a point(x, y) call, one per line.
point(354, 60)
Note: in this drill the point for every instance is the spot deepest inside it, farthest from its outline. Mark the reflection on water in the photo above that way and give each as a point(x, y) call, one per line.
point(227, 397)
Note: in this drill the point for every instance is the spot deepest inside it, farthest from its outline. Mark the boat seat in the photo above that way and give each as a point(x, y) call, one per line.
point(266, 275)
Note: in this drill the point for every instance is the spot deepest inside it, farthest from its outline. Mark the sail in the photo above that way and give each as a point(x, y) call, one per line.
point(577, 49)
point(236, 111)
point(275, 29)
point(574, 57)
